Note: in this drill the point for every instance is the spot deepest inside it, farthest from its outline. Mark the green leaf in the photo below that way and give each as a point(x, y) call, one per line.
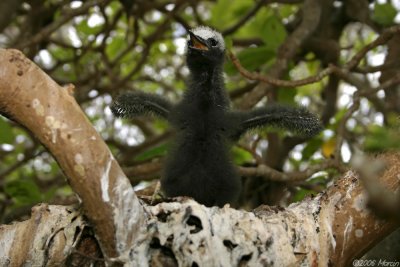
point(312, 65)
point(226, 12)
point(319, 181)
point(251, 58)
point(286, 11)
point(83, 27)
point(286, 95)
point(61, 53)
point(267, 26)
point(338, 117)
point(115, 46)
point(6, 133)
point(241, 156)
point(65, 191)
point(384, 14)
point(217, 11)
point(311, 147)
point(301, 194)
point(381, 138)
point(228, 43)
point(24, 191)
point(157, 151)
point(273, 32)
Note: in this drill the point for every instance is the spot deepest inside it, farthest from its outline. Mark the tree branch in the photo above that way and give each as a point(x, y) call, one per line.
point(311, 16)
point(350, 65)
point(273, 175)
point(31, 98)
point(332, 228)
point(46, 31)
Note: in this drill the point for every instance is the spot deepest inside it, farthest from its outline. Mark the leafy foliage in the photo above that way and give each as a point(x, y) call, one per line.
point(106, 49)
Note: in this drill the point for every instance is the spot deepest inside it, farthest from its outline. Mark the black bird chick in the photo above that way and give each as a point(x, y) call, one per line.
point(199, 163)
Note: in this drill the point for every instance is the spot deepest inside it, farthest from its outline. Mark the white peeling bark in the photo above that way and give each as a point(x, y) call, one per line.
point(329, 229)
point(46, 239)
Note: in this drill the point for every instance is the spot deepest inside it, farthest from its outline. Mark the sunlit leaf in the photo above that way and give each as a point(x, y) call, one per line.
point(115, 46)
point(286, 11)
point(83, 27)
point(241, 156)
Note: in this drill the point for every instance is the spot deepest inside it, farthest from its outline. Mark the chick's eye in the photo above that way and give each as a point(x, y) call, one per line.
point(212, 41)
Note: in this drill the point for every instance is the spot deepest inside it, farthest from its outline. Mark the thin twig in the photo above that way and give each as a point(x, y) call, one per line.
point(244, 19)
point(45, 32)
point(350, 65)
point(259, 77)
point(273, 175)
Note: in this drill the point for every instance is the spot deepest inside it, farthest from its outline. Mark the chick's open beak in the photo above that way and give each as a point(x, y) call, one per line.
point(196, 42)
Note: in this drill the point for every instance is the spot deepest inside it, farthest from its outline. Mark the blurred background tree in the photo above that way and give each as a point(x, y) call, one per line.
point(105, 47)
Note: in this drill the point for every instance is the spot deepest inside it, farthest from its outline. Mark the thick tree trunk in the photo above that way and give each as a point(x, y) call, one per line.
point(49, 111)
point(329, 229)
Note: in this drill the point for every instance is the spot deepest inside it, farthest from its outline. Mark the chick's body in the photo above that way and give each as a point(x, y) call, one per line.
point(199, 163)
